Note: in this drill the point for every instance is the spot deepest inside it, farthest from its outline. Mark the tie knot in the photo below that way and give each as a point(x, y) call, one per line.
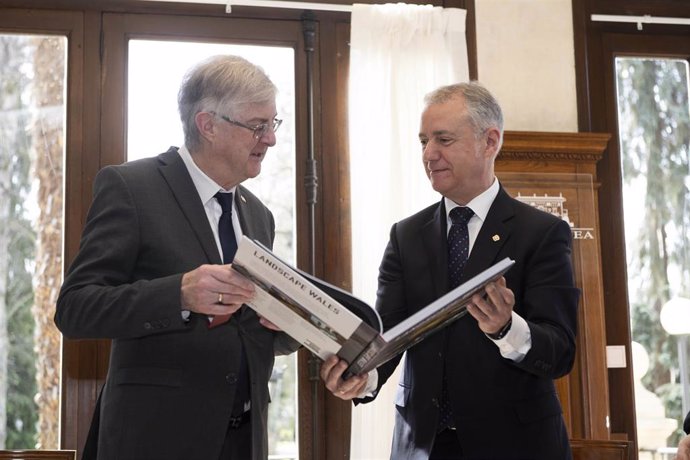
point(460, 215)
point(225, 201)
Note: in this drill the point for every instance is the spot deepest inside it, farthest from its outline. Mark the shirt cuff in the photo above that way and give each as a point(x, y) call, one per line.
point(372, 383)
point(517, 342)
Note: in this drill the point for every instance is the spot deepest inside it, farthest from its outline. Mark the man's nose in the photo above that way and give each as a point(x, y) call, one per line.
point(429, 152)
point(269, 138)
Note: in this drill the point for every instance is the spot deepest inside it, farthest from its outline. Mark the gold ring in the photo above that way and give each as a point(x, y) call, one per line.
point(220, 298)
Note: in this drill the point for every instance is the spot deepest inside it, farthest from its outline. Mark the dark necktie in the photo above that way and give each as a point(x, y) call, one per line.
point(228, 243)
point(226, 232)
point(458, 243)
point(458, 250)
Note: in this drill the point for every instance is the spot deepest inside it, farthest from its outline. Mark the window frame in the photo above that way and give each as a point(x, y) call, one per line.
point(597, 44)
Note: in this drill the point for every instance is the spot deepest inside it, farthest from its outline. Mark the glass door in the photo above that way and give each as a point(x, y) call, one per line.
point(654, 141)
point(155, 71)
point(32, 151)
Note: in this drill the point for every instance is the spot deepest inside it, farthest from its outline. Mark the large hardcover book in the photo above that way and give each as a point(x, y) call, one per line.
point(329, 321)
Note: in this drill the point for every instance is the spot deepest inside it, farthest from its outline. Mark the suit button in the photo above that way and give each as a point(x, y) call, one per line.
point(147, 325)
point(231, 378)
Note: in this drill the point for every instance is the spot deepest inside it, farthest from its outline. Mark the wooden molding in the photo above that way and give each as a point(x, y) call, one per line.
point(535, 146)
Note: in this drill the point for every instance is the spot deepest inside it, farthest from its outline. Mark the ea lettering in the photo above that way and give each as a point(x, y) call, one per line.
point(583, 234)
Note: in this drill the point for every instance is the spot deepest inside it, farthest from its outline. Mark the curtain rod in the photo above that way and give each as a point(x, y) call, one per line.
point(288, 4)
point(639, 20)
point(269, 4)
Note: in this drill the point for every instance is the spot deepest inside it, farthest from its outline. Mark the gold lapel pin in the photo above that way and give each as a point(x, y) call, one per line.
point(495, 238)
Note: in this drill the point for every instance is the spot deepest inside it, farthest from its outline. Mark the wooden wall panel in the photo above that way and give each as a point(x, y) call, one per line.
point(562, 166)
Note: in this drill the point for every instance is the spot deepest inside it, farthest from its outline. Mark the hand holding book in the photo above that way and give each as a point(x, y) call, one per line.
point(329, 321)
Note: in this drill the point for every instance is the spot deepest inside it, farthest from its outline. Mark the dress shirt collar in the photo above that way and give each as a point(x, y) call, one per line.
point(479, 204)
point(205, 186)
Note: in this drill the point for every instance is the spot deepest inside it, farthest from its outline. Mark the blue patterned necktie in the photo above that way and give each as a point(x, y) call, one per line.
point(458, 243)
point(458, 251)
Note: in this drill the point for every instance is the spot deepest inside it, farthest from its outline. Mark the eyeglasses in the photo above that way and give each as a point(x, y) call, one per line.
point(259, 130)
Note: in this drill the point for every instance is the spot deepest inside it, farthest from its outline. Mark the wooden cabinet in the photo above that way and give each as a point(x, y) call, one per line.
point(588, 449)
point(557, 172)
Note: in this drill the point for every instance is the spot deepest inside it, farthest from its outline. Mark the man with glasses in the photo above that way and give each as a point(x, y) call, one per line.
point(189, 365)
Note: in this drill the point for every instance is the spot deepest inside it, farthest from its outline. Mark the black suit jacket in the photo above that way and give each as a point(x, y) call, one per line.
point(171, 382)
point(502, 409)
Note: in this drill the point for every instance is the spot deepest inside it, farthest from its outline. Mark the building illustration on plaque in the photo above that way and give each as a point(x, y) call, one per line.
point(555, 205)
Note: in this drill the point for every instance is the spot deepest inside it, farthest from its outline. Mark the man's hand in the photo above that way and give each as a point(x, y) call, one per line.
point(493, 311)
point(332, 374)
point(215, 290)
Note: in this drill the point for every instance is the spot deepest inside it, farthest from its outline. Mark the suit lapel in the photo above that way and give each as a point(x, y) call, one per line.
point(435, 243)
point(176, 175)
point(244, 212)
point(493, 235)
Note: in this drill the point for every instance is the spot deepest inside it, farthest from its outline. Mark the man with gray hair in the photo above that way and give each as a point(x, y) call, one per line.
point(189, 365)
point(481, 388)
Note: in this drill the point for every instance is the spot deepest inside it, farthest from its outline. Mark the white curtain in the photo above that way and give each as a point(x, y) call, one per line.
point(398, 53)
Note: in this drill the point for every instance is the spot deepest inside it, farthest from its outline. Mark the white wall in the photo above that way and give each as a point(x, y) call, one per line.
point(526, 58)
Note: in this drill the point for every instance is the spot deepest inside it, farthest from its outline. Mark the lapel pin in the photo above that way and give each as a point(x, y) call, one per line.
point(242, 198)
point(495, 238)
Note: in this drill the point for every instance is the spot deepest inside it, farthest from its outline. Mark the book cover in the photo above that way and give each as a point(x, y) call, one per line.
point(328, 320)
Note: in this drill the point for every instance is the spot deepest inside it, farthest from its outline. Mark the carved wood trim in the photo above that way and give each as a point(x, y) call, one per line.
point(542, 146)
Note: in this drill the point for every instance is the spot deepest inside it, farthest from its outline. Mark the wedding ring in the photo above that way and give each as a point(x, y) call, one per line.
point(220, 298)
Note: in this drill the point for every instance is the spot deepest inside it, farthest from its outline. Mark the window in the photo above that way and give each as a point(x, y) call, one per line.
point(32, 140)
point(653, 120)
point(603, 49)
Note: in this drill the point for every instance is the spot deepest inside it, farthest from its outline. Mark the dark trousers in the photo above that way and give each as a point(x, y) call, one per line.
point(446, 446)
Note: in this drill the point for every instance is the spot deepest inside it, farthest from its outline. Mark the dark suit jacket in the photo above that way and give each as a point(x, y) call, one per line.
point(170, 383)
point(502, 409)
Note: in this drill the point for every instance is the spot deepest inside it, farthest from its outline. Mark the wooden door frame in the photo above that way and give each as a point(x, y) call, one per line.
point(595, 49)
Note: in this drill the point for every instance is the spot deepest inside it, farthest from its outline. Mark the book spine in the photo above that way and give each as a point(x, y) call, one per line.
point(357, 343)
point(360, 364)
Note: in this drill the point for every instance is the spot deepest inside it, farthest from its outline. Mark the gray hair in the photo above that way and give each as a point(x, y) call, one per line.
point(220, 84)
point(482, 107)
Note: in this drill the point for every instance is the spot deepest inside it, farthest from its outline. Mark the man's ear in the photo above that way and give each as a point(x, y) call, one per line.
point(493, 141)
point(206, 125)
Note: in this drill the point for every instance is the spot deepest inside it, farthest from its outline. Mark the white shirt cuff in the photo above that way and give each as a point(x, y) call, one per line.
point(372, 383)
point(517, 342)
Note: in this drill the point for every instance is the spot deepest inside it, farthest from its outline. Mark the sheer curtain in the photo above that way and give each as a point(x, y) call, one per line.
point(398, 53)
